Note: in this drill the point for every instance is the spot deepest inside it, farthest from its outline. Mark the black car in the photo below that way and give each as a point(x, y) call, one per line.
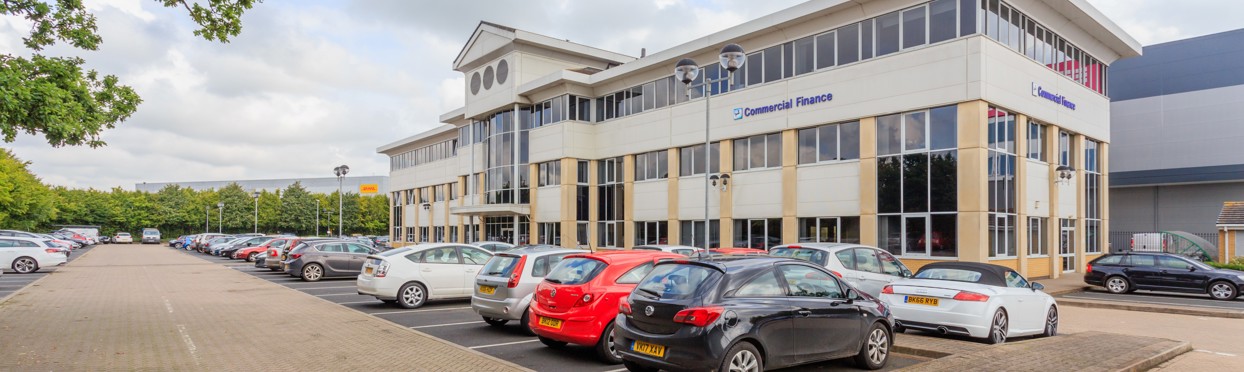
point(749, 314)
point(1127, 272)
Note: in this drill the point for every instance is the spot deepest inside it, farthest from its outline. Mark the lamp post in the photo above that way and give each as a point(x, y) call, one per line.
point(220, 219)
point(255, 195)
point(732, 58)
point(318, 204)
point(340, 171)
point(207, 217)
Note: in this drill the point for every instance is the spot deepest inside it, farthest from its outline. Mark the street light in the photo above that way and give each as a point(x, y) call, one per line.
point(732, 58)
point(340, 171)
point(256, 196)
point(318, 205)
point(220, 218)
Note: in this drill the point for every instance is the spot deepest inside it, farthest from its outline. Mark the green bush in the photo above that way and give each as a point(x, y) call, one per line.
point(1235, 264)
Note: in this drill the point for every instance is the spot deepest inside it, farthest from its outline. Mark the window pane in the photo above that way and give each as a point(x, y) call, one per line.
point(848, 44)
point(804, 55)
point(916, 183)
point(849, 141)
point(698, 159)
point(662, 95)
point(829, 230)
point(788, 60)
point(889, 181)
point(714, 158)
point(944, 232)
point(967, 16)
point(887, 33)
point(850, 231)
point(942, 124)
point(807, 146)
point(943, 181)
point(829, 143)
point(773, 63)
point(913, 130)
point(774, 150)
point(650, 96)
point(941, 20)
point(641, 166)
point(888, 135)
point(913, 27)
point(757, 151)
point(914, 238)
point(740, 154)
point(890, 233)
point(825, 50)
point(866, 39)
point(755, 68)
point(663, 163)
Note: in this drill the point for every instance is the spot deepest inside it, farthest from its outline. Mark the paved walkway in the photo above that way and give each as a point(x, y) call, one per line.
point(1085, 351)
point(143, 307)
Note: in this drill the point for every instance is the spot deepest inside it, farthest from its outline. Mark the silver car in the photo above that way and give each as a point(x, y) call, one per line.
point(867, 268)
point(504, 287)
point(493, 246)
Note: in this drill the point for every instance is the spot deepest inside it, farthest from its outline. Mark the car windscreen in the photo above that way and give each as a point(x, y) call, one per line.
point(575, 270)
point(815, 256)
point(151, 233)
point(675, 281)
point(500, 265)
point(957, 275)
point(394, 252)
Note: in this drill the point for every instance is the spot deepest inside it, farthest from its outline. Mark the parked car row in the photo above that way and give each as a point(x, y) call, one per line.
point(26, 252)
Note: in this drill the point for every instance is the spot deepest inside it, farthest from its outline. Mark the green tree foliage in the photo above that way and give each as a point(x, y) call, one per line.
point(25, 202)
point(55, 96)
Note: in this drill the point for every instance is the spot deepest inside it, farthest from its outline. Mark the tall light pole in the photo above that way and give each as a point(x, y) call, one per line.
point(340, 171)
point(732, 57)
point(256, 196)
point(220, 219)
point(207, 217)
point(318, 204)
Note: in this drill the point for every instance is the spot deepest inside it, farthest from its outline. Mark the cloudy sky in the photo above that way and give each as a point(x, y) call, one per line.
point(310, 84)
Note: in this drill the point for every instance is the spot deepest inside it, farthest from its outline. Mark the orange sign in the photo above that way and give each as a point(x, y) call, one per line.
point(369, 188)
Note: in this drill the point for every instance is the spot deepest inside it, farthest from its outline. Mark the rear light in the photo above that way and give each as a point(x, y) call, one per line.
point(1088, 268)
point(49, 250)
point(1131, 243)
point(271, 253)
point(585, 300)
point(888, 289)
point(517, 273)
point(837, 274)
point(382, 270)
point(624, 307)
point(699, 316)
point(295, 256)
point(971, 296)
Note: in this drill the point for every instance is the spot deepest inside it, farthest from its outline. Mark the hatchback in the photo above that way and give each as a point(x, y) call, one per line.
point(504, 288)
point(577, 302)
point(123, 237)
point(323, 259)
point(748, 314)
point(410, 276)
point(1127, 272)
point(867, 268)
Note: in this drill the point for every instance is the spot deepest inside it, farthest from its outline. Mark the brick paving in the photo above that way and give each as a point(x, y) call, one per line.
point(1084, 351)
point(144, 307)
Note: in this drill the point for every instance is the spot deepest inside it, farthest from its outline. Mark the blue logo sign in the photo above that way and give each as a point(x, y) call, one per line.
point(740, 113)
point(1056, 98)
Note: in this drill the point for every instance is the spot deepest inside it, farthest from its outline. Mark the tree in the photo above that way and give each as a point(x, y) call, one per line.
point(25, 202)
point(55, 96)
point(298, 210)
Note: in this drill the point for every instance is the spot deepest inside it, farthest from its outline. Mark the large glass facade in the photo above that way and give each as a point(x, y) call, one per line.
point(1092, 198)
point(917, 197)
point(1000, 175)
point(610, 214)
point(1017, 31)
point(505, 156)
point(758, 233)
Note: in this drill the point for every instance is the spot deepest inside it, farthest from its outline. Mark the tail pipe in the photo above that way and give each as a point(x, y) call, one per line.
point(942, 330)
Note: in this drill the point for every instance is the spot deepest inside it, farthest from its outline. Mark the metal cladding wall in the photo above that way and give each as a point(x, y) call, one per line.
point(325, 185)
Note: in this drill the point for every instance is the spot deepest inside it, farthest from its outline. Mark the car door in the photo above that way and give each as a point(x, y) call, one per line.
point(1144, 272)
point(762, 301)
point(891, 269)
point(1181, 275)
point(867, 271)
point(821, 309)
point(442, 271)
point(358, 254)
point(473, 259)
point(8, 253)
point(1028, 307)
point(335, 258)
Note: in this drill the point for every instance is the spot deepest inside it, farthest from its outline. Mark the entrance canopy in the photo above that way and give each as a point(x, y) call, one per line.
point(491, 210)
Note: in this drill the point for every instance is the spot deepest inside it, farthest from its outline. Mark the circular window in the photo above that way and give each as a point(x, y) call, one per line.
point(475, 84)
point(503, 71)
point(488, 78)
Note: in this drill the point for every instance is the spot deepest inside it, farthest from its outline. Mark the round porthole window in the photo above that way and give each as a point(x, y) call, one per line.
point(503, 71)
point(475, 84)
point(488, 78)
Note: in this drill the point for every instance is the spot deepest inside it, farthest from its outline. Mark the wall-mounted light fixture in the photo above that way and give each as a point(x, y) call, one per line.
point(725, 181)
point(1064, 174)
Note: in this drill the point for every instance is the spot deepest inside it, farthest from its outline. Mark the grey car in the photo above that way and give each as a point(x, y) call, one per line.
point(317, 260)
point(504, 287)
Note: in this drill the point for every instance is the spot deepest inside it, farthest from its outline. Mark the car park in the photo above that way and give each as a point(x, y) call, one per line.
point(748, 314)
point(250, 254)
point(504, 287)
point(122, 237)
point(410, 276)
point(867, 268)
point(28, 255)
point(577, 302)
point(277, 256)
point(326, 259)
point(216, 245)
point(978, 300)
point(151, 236)
point(201, 241)
point(493, 246)
point(1128, 272)
point(679, 249)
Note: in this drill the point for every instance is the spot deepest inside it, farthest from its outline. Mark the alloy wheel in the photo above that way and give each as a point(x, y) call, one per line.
point(1051, 322)
point(1222, 291)
point(998, 334)
point(878, 346)
point(312, 272)
point(413, 295)
point(25, 265)
point(744, 361)
point(1116, 285)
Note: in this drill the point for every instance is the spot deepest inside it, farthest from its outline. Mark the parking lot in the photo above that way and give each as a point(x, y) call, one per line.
point(455, 322)
point(12, 282)
point(1160, 298)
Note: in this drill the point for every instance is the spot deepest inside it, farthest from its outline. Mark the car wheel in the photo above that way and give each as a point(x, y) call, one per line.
point(876, 349)
point(1117, 284)
point(551, 342)
point(998, 328)
point(635, 367)
point(251, 257)
point(606, 349)
point(527, 323)
point(1051, 323)
point(1223, 290)
point(743, 357)
point(312, 272)
point(25, 265)
point(412, 295)
point(495, 322)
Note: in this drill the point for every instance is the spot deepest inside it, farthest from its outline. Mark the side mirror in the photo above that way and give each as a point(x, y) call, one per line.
point(1191, 268)
point(851, 295)
point(907, 273)
point(1037, 286)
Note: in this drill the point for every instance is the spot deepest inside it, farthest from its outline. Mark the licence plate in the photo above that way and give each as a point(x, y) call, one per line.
point(488, 289)
point(369, 270)
point(649, 349)
point(551, 323)
point(920, 300)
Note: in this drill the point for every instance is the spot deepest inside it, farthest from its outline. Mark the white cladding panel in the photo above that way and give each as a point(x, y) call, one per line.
point(1067, 199)
point(548, 204)
point(435, 173)
point(691, 199)
point(438, 213)
point(1038, 184)
point(757, 194)
point(829, 189)
point(465, 157)
point(651, 200)
point(408, 218)
point(1009, 80)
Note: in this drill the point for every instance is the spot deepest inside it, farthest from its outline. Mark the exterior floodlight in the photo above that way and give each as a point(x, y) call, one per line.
point(686, 70)
point(733, 57)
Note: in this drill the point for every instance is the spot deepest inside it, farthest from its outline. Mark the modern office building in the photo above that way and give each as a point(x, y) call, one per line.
point(938, 130)
point(364, 185)
point(1176, 122)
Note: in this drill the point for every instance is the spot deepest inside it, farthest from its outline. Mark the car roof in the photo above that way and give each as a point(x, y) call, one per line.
point(489, 242)
point(831, 247)
point(991, 274)
point(628, 255)
point(536, 250)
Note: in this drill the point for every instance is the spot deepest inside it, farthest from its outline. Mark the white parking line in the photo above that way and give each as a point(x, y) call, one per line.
point(420, 311)
point(304, 289)
point(1214, 352)
point(445, 325)
point(338, 294)
point(358, 302)
point(507, 343)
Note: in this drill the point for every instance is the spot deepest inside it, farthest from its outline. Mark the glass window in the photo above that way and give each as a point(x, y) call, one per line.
point(1036, 237)
point(825, 50)
point(914, 125)
point(763, 285)
point(1036, 141)
point(773, 63)
point(815, 256)
point(828, 143)
point(577, 270)
point(887, 33)
point(804, 281)
point(957, 275)
point(891, 265)
point(662, 94)
point(675, 281)
point(889, 134)
point(805, 55)
point(756, 149)
point(967, 16)
point(444, 255)
point(849, 140)
point(650, 95)
point(848, 44)
point(943, 122)
point(472, 256)
point(847, 258)
point(1014, 280)
point(774, 149)
point(941, 20)
point(807, 146)
point(866, 39)
point(866, 260)
point(755, 68)
point(1109, 260)
point(543, 264)
point(788, 60)
point(914, 25)
point(633, 276)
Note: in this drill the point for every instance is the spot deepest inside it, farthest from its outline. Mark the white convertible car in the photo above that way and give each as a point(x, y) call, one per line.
point(971, 299)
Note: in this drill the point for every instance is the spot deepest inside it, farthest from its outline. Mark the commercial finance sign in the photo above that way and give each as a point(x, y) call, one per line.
point(744, 112)
point(1038, 91)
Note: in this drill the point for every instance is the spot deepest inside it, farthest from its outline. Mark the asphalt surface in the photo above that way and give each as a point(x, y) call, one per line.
point(1160, 298)
point(455, 322)
point(12, 282)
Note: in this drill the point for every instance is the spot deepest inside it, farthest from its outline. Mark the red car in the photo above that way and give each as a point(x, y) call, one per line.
point(250, 253)
point(577, 302)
